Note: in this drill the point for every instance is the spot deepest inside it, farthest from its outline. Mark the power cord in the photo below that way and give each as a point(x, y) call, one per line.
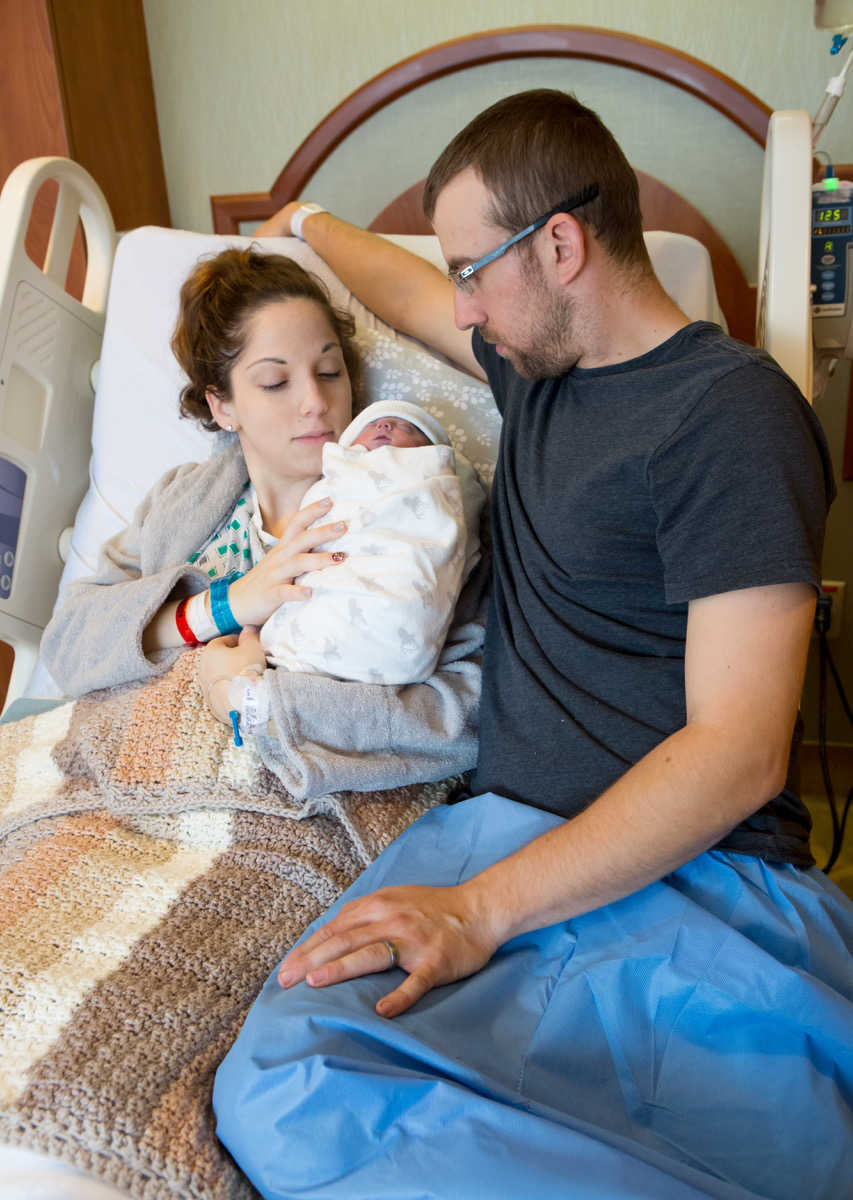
point(823, 618)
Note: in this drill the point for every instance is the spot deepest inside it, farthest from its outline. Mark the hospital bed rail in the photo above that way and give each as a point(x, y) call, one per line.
point(49, 344)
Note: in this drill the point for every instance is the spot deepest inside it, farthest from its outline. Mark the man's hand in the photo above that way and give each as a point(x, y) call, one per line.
point(439, 935)
point(278, 225)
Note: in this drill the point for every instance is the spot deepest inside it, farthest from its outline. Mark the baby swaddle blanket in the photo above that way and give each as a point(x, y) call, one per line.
point(383, 614)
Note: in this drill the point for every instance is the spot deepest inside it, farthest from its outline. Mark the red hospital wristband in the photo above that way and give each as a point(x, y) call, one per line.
point(183, 625)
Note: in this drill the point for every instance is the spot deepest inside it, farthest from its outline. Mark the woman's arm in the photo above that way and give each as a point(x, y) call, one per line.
point(119, 625)
point(270, 583)
point(95, 637)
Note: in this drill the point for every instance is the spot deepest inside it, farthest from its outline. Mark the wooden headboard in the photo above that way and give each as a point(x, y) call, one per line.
point(662, 207)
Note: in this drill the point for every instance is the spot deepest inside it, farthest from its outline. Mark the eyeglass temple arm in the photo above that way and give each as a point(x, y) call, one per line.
point(584, 197)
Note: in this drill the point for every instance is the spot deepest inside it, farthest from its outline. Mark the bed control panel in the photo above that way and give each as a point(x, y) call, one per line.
point(13, 484)
point(832, 263)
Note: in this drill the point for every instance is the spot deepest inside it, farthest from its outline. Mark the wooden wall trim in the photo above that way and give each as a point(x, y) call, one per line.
point(105, 81)
point(532, 41)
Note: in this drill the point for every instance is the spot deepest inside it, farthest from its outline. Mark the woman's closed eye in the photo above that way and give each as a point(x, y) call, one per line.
point(276, 385)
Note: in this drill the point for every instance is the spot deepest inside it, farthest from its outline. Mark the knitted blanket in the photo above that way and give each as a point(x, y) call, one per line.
point(151, 876)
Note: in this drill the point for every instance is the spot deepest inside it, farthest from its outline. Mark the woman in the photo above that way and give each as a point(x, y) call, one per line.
point(269, 359)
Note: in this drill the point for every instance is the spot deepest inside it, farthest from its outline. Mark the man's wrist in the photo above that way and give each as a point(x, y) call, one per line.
point(485, 902)
point(303, 212)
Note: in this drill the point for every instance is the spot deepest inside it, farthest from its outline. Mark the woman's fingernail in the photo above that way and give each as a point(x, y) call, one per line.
point(327, 502)
point(340, 525)
point(338, 556)
point(285, 978)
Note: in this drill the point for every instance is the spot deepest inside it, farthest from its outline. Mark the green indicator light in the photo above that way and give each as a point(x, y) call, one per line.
point(831, 184)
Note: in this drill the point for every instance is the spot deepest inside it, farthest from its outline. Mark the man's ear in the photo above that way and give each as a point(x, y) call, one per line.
point(567, 246)
point(221, 410)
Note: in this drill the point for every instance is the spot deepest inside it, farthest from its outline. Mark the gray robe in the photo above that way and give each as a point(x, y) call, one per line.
point(330, 735)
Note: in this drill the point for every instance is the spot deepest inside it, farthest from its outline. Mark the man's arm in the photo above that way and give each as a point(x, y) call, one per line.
point(403, 289)
point(744, 665)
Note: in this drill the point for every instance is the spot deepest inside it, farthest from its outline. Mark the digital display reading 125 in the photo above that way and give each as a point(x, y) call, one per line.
point(835, 219)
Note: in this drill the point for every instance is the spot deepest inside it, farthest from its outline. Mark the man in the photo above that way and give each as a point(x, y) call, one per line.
point(658, 514)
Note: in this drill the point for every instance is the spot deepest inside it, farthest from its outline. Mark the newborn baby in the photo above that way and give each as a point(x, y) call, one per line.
point(412, 511)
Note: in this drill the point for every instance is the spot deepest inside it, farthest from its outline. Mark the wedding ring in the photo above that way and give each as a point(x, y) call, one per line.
point(392, 954)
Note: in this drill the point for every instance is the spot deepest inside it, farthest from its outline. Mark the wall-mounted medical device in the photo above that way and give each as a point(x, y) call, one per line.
point(832, 200)
point(832, 267)
point(805, 249)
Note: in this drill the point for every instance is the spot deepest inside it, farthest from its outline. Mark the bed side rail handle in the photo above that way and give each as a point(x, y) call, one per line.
point(79, 196)
point(49, 341)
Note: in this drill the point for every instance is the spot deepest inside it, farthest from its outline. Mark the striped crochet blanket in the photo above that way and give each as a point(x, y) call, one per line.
point(151, 876)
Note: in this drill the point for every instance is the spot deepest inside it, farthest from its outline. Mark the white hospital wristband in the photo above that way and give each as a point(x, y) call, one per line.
point(248, 694)
point(304, 210)
point(201, 623)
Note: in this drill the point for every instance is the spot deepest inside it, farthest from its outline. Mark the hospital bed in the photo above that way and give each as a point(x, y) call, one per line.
point(88, 421)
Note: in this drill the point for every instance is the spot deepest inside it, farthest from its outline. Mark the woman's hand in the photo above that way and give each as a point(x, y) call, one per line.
point(221, 660)
point(270, 583)
point(439, 934)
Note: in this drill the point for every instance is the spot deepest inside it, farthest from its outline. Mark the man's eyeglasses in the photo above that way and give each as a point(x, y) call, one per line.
point(461, 279)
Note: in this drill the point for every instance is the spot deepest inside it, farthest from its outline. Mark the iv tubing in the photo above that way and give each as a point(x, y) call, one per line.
point(834, 92)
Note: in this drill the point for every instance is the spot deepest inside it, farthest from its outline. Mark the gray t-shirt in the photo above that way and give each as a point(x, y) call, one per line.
point(621, 493)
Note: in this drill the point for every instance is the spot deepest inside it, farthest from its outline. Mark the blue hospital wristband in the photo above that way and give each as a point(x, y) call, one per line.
point(220, 609)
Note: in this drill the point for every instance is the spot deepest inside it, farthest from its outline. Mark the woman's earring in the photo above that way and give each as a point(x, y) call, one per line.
point(229, 428)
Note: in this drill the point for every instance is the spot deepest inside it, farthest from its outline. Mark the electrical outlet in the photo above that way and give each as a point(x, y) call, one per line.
point(835, 590)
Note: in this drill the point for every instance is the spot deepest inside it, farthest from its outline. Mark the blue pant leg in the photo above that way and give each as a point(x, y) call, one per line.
point(579, 1048)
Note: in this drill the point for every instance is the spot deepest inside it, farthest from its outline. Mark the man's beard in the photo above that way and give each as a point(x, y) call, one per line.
point(553, 355)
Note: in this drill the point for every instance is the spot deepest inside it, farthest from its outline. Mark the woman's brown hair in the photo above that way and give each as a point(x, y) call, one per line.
point(218, 299)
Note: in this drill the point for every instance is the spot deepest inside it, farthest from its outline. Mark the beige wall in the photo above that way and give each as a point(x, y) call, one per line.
point(240, 83)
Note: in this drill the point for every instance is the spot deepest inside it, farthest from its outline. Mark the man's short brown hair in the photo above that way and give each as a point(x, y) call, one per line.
point(536, 149)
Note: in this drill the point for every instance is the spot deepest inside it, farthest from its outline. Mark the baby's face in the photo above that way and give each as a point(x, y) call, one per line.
point(391, 431)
